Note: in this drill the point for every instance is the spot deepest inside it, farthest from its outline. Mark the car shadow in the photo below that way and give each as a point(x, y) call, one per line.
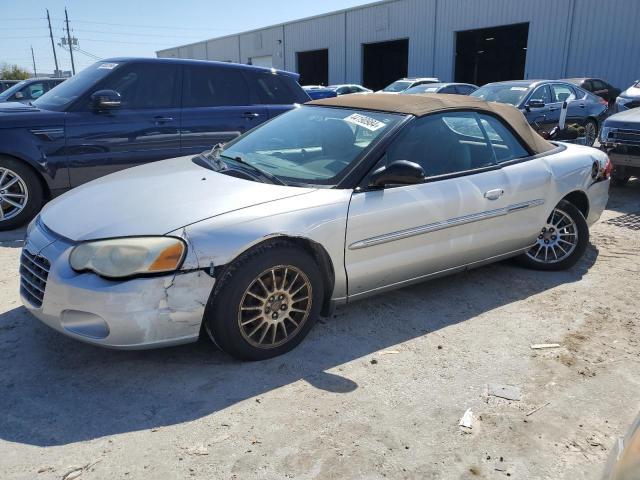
point(56, 390)
point(625, 199)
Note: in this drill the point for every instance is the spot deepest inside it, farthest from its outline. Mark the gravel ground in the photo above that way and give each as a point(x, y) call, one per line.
point(375, 391)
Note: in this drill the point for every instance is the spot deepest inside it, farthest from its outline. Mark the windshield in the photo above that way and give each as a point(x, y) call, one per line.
point(512, 94)
point(311, 145)
point(13, 89)
point(398, 86)
point(70, 90)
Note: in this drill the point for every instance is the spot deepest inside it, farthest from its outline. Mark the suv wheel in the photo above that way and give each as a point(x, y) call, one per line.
point(266, 302)
point(21, 194)
point(561, 242)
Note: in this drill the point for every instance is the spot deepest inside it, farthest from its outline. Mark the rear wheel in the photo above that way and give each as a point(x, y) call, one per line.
point(590, 132)
point(266, 303)
point(21, 194)
point(561, 242)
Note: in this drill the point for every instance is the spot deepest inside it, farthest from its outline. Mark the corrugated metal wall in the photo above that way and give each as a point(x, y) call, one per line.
point(269, 41)
point(320, 33)
point(605, 41)
point(566, 37)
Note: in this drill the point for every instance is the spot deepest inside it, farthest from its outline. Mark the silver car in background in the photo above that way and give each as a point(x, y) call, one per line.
point(628, 99)
point(334, 201)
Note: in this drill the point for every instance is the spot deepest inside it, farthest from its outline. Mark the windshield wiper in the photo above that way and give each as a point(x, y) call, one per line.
point(264, 173)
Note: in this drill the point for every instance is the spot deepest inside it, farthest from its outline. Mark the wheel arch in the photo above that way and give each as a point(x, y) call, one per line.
point(313, 248)
point(38, 173)
point(580, 200)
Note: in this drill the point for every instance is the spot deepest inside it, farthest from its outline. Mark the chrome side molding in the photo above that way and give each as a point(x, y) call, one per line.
point(452, 222)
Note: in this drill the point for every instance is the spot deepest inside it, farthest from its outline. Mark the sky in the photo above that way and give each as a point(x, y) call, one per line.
point(109, 28)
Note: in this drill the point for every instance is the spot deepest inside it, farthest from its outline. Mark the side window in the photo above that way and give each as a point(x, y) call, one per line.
point(541, 93)
point(448, 89)
point(33, 91)
point(273, 89)
point(505, 145)
point(442, 144)
point(599, 85)
point(214, 87)
point(145, 85)
point(561, 92)
point(588, 85)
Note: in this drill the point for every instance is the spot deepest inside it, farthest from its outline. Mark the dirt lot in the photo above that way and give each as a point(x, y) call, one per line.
point(376, 391)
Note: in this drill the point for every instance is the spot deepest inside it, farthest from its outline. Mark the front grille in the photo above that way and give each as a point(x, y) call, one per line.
point(34, 271)
point(621, 135)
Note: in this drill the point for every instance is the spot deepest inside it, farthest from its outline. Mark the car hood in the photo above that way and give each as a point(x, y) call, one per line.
point(16, 114)
point(631, 92)
point(154, 199)
point(625, 118)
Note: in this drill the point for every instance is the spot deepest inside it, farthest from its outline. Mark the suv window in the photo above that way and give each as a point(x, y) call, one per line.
point(144, 85)
point(214, 87)
point(561, 92)
point(443, 143)
point(274, 89)
point(541, 93)
point(505, 145)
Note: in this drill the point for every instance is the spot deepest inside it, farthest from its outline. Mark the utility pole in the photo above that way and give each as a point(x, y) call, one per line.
point(35, 72)
point(66, 16)
point(53, 47)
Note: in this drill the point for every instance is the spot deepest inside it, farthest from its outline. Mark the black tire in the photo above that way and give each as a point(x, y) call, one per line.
point(223, 315)
point(591, 124)
point(35, 194)
point(582, 242)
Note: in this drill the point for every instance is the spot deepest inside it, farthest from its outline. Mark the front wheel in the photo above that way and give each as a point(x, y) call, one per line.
point(561, 242)
point(21, 194)
point(266, 303)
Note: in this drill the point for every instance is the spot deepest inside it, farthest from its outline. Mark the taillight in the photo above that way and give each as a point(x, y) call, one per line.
point(606, 171)
point(603, 101)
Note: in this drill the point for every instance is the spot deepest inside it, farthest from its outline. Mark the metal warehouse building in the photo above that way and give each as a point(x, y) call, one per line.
point(476, 41)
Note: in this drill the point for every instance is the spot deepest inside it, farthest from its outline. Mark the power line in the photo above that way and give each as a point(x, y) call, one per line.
point(133, 34)
point(173, 27)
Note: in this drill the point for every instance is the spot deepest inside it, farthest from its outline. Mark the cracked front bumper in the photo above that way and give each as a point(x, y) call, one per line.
point(132, 314)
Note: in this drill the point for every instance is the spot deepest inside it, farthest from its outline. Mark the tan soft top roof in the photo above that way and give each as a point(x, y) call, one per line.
point(426, 103)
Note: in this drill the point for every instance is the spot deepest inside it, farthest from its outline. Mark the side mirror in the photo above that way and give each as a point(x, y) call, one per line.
point(106, 100)
point(535, 104)
point(19, 95)
point(400, 172)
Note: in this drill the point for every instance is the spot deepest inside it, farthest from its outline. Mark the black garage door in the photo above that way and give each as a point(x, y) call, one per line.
point(313, 67)
point(384, 63)
point(491, 54)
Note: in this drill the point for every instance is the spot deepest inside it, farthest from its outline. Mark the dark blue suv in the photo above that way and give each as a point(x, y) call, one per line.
point(123, 112)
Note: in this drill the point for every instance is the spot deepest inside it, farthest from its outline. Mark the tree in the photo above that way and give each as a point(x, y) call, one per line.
point(13, 72)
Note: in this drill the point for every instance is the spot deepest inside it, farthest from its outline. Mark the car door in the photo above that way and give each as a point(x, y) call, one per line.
point(542, 118)
point(143, 129)
point(467, 210)
point(217, 107)
point(576, 106)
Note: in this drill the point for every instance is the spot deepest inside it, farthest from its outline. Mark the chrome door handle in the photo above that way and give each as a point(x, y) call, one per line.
point(494, 194)
point(160, 119)
point(250, 115)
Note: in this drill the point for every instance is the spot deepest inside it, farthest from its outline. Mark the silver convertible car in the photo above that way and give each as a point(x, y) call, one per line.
point(334, 201)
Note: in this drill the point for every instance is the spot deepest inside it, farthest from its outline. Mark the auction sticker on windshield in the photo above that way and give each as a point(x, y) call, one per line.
point(365, 122)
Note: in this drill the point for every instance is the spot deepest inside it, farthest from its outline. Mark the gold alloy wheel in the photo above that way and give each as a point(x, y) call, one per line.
point(275, 306)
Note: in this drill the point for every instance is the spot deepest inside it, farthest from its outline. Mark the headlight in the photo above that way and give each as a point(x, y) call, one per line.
point(604, 134)
point(126, 257)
